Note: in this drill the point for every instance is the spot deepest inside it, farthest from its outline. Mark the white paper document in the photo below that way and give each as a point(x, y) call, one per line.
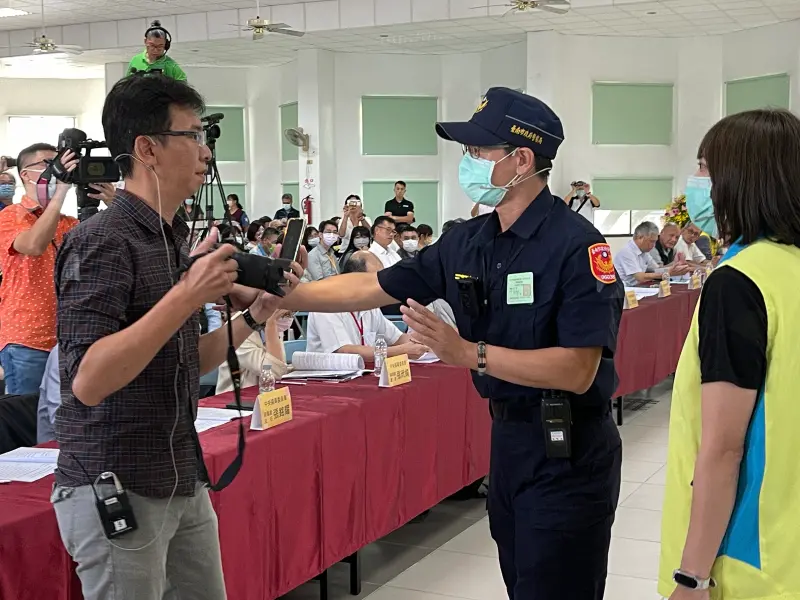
point(317, 361)
point(28, 464)
point(427, 358)
point(643, 292)
point(209, 418)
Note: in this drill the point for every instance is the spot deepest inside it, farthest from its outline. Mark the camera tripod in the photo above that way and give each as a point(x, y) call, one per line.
point(211, 187)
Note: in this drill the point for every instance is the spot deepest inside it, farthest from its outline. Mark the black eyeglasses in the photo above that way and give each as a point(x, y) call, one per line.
point(197, 136)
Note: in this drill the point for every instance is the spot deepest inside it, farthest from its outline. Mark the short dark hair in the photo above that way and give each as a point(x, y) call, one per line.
point(26, 154)
point(753, 159)
point(287, 197)
point(425, 230)
point(270, 231)
point(381, 220)
point(403, 183)
point(325, 224)
point(401, 227)
point(450, 224)
point(252, 230)
point(409, 229)
point(356, 196)
point(355, 264)
point(138, 106)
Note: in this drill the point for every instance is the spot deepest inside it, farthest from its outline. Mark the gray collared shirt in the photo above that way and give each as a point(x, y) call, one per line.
point(321, 263)
point(630, 260)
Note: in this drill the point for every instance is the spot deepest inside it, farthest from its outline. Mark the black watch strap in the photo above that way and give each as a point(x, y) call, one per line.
point(251, 322)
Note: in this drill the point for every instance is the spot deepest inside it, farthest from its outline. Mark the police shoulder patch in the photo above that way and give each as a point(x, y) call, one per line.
point(600, 263)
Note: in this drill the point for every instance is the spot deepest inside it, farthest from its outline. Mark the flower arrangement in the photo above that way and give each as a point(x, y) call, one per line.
point(676, 212)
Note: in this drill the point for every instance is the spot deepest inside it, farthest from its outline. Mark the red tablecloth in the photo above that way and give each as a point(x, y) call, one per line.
point(651, 338)
point(355, 463)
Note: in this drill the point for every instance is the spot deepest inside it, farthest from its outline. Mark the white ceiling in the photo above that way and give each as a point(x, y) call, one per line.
point(223, 45)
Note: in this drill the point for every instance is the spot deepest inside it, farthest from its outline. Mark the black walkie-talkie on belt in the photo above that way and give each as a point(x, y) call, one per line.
point(557, 424)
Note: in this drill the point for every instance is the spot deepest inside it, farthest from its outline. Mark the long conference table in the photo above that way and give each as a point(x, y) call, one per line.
point(355, 463)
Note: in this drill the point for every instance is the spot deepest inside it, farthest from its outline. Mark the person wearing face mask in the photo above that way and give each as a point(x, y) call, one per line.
point(261, 348)
point(409, 240)
point(322, 260)
point(267, 240)
point(425, 233)
point(311, 238)
point(8, 186)
point(581, 200)
point(353, 217)
point(730, 517)
point(287, 211)
point(31, 233)
point(189, 211)
point(537, 304)
point(360, 239)
point(238, 216)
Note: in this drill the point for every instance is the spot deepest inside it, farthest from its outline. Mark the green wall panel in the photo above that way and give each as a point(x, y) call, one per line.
point(231, 142)
point(424, 195)
point(772, 91)
point(288, 121)
point(398, 126)
point(632, 113)
point(626, 193)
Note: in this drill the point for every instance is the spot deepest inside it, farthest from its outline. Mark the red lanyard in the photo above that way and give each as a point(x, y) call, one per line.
point(360, 326)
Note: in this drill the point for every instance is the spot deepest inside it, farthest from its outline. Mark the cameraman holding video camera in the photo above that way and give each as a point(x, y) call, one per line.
point(30, 234)
point(132, 356)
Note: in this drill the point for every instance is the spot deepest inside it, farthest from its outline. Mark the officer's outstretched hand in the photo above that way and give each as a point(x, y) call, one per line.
point(429, 330)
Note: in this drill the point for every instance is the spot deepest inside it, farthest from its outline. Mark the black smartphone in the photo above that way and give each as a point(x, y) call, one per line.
point(292, 238)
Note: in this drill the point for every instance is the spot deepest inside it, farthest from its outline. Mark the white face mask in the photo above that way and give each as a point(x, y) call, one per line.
point(313, 242)
point(361, 242)
point(284, 324)
point(410, 245)
point(51, 189)
point(330, 239)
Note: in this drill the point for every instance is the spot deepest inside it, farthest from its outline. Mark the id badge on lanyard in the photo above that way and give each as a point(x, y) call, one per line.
point(360, 326)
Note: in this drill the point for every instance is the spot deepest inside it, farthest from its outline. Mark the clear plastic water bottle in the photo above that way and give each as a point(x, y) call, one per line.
point(266, 381)
point(381, 348)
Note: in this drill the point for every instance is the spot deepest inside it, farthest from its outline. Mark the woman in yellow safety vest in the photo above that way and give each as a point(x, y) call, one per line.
point(731, 524)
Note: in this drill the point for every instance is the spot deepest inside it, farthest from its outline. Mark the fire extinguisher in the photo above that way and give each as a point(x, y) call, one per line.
point(307, 201)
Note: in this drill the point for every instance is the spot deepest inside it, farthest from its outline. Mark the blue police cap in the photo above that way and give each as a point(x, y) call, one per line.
point(506, 116)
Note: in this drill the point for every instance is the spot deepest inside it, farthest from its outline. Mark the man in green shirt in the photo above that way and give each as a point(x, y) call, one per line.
point(157, 41)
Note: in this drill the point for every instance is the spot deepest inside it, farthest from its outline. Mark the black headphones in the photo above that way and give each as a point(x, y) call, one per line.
point(156, 26)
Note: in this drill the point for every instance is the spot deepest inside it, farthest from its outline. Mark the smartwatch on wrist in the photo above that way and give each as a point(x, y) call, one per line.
point(251, 322)
point(687, 580)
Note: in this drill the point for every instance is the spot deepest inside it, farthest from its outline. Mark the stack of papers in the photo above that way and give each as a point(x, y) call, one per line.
point(208, 418)
point(427, 358)
point(327, 367)
point(642, 292)
point(28, 464)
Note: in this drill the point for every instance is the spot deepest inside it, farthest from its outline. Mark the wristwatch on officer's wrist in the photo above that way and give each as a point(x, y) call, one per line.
point(692, 582)
point(481, 358)
point(251, 322)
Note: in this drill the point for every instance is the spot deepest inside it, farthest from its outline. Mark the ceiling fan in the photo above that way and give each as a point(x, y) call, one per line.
point(45, 45)
point(557, 7)
point(261, 26)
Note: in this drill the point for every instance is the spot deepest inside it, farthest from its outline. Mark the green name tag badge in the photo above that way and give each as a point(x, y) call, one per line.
point(519, 288)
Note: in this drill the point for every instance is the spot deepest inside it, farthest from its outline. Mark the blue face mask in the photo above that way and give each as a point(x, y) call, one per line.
point(7, 190)
point(699, 205)
point(475, 178)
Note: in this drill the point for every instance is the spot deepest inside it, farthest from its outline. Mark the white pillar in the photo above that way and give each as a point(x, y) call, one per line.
point(460, 96)
point(544, 78)
point(264, 140)
point(315, 114)
point(698, 100)
point(114, 72)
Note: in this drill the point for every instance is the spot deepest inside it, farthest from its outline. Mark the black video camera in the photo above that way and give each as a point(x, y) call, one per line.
point(257, 272)
point(212, 129)
point(90, 169)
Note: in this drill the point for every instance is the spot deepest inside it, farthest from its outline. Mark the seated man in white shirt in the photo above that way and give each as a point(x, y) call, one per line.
point(383, 232)
point(634, 263)
point(353, 333)
point(687, 246)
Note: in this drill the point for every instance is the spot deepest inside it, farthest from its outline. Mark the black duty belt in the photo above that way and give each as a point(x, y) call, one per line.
point(528, 411)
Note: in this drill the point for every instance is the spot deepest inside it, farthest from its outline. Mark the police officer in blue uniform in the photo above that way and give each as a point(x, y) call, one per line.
point(537, 305)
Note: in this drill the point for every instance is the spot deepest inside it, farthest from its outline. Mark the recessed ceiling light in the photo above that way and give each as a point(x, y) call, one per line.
point(12, 12)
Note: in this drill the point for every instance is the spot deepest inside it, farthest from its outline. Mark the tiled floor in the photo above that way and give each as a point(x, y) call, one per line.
point(451, 555)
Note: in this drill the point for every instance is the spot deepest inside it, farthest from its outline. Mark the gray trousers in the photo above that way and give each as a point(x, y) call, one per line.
point(183, 562)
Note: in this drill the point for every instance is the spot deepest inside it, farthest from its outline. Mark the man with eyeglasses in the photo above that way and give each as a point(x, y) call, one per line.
point(537, 304)
point(154, 59)
point(383, 232)
point(30, 234)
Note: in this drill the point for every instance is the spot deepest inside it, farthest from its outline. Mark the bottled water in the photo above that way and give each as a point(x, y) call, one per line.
point(266, 381)
point(380, 354)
